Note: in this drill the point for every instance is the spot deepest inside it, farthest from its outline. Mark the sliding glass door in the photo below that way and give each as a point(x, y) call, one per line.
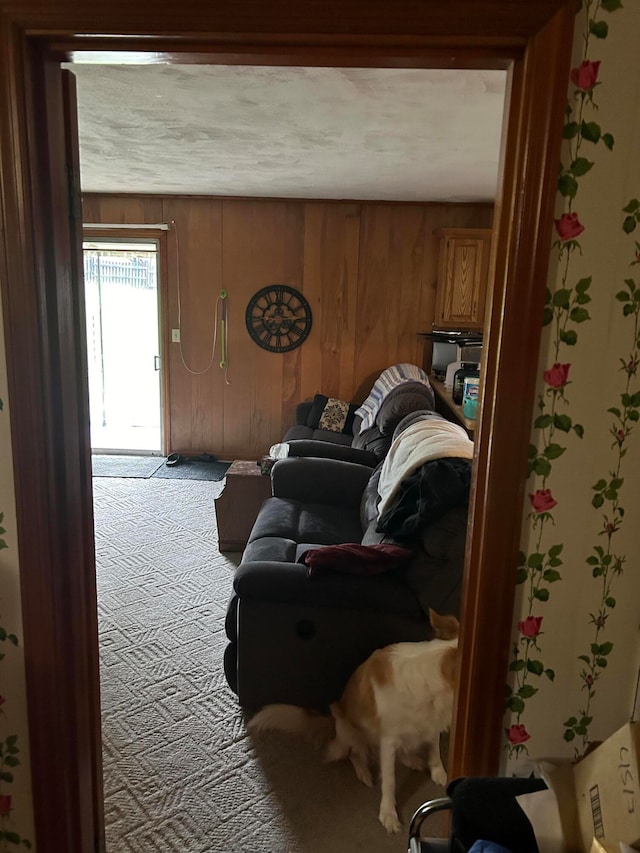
point(121, 292)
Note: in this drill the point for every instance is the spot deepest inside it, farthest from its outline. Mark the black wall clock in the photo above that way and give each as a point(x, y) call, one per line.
point(278, 318)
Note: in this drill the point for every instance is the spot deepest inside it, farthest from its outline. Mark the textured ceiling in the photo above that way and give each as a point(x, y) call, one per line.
point(290, 132)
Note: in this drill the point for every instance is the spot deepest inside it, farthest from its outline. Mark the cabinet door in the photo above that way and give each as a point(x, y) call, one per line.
point(462, 283)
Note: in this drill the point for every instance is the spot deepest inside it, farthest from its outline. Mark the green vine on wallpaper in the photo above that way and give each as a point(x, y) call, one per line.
point(8, 746)
point(565, 309)
point(606, 565)
point(585, 79)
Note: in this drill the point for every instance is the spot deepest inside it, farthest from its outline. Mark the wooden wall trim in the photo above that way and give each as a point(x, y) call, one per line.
point(50, 438)
point(165, 337)
point(520, 261)
point(50, 512)
point(286, 24)
point(96, 196)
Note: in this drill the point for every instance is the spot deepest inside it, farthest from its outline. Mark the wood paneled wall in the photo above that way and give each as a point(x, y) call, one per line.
point(367, 269)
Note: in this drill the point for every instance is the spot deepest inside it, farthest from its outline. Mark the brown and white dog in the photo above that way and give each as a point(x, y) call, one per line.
point(396, 703)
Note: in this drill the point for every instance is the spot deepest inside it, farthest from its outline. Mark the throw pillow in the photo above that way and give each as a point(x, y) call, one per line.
point(354, 559)
point(331, 414)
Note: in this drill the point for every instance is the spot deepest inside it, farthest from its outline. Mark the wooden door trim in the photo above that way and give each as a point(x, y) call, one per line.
point(165, 342)
point(535, 36)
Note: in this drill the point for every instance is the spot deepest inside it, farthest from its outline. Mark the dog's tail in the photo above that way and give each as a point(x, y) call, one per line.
point(291, 718)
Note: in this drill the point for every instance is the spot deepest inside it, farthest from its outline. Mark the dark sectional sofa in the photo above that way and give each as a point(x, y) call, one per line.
point(297, 639)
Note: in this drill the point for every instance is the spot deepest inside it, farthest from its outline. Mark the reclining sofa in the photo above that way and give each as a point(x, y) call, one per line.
point(295, 636)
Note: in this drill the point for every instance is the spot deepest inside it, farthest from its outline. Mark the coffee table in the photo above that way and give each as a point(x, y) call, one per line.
point(245, 491)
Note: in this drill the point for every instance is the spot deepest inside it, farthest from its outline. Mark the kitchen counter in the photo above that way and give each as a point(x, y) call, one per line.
point(450, 410)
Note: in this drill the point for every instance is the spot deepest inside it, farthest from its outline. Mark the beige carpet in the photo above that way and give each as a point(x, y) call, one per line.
point(181, 772)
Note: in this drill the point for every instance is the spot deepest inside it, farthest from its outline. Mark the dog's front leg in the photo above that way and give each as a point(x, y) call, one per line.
point(436, 768)
point(388, 814)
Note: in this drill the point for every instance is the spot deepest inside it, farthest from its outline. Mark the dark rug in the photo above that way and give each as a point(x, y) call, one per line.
point(155, 466)
point(192, 469)
point(105, 465)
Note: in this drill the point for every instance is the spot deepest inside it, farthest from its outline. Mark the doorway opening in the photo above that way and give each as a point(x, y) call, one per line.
point(123, 345)
point(188, 218)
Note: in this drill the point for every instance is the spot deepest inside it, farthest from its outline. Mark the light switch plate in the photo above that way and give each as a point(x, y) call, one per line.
point(175, 336)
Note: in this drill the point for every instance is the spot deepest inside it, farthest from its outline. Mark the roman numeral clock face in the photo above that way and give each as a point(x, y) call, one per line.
point(278, 318)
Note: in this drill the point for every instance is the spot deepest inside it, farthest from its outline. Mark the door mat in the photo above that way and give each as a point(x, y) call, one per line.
point(192, 469)
point(105, 465)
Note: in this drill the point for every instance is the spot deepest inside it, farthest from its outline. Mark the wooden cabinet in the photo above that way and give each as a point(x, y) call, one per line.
point(462, 278)
point(244, 492)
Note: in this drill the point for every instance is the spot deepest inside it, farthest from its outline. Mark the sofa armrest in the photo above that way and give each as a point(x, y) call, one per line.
point(327, 450)
point(319, 481)
point(302, 412)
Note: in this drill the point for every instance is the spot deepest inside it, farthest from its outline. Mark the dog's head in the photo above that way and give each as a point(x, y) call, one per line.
point(444, 627)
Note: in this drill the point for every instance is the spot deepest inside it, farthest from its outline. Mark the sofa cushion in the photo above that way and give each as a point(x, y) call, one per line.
point(398, 374)
point(285, 518)
point(270, 548)
point(330, 482)
point(401, 401)
point(331, 414)
point(370, 499)
point(297, 431)
point(331, 450)
point(373, 441)
point(230, 663)
point(300, 431)
point(335, 437)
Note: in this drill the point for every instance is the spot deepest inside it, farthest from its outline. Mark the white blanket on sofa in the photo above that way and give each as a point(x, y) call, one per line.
point(434, 438)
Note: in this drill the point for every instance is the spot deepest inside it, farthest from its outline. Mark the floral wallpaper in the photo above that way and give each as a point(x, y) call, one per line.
point(16, 827)
point(576, 561)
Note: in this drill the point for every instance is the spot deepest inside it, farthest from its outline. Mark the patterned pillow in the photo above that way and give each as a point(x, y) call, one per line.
point(331, 414)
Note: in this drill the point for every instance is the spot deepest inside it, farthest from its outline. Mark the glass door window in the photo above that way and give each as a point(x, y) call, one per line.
point(121, 294)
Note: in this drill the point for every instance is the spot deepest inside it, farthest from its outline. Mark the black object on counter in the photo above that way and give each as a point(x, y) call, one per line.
point(467, 368)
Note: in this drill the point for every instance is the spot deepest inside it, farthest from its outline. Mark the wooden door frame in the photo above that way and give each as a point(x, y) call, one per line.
point(533, 38)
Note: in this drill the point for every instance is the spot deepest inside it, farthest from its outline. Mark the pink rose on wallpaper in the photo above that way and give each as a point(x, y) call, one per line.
point(557, 376)
point(5, 804)
point(585, 76)
point(568, 226)
point(542, 500)
point(530, 627)
point(517, 734)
